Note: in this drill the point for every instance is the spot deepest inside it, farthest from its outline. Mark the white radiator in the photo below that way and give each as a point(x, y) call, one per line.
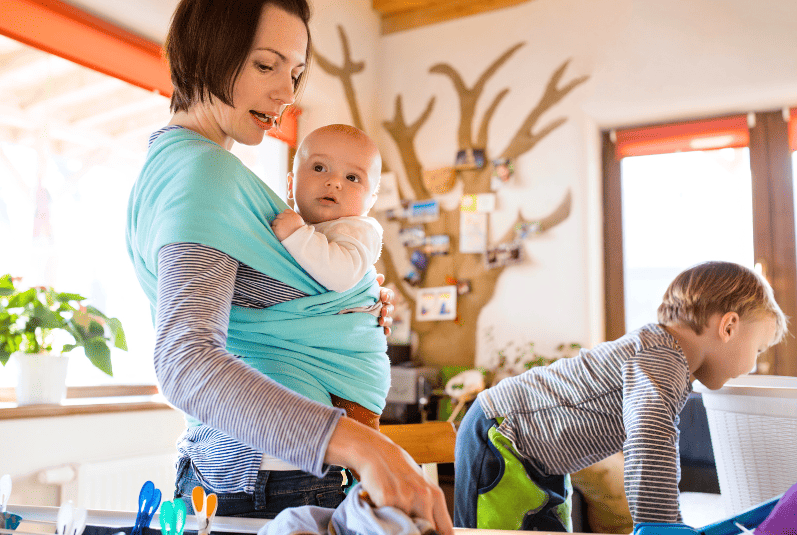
point(113, 484)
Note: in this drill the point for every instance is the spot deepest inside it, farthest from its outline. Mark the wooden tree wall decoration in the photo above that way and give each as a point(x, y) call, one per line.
point(453, 342)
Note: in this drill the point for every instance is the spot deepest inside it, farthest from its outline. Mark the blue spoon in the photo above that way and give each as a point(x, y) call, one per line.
point(172, 517)
point(148, 501)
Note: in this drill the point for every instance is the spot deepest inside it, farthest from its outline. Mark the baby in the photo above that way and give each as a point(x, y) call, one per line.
point(333, 184)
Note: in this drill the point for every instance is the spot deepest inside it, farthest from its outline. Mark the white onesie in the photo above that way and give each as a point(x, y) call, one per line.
point(337, 253)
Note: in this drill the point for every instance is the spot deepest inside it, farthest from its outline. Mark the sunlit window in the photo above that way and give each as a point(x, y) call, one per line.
point(680, 209)
point(72, 142)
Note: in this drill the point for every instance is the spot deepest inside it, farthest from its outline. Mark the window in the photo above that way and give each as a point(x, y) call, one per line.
point(72, 142)
point(676, 195)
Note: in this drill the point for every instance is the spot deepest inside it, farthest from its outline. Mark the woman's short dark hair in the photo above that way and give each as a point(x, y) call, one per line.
point(208, 43)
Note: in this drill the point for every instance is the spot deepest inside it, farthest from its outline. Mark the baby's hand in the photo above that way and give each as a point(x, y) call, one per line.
point(286, 223)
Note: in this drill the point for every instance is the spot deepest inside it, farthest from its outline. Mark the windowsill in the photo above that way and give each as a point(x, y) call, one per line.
point(88, 400)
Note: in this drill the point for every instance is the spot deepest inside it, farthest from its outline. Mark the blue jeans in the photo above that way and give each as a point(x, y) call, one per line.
point(527, 499)
point(274, 491)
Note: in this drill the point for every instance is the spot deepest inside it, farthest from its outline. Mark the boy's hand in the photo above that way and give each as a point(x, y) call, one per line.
point(286, 223)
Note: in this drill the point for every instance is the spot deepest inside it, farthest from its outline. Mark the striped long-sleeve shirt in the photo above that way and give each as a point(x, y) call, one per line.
point(624, 396)
point(243, 413)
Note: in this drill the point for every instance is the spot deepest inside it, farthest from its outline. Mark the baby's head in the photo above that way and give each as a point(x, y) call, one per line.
point(335, 174)
point(743, 307)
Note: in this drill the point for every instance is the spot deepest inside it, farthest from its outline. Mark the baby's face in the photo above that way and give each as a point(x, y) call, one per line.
point(335, 176)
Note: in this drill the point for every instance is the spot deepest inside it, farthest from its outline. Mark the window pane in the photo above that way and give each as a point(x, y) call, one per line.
point(680, 209)
point(72, 142)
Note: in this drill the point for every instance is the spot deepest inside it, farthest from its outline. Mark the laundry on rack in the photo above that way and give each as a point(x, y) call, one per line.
point(353, 516)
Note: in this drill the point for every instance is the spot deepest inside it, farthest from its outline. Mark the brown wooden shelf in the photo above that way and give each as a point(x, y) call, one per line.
point(88, 400)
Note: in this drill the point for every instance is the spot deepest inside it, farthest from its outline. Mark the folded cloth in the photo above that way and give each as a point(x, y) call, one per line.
point(783, 518)
point(354, 516)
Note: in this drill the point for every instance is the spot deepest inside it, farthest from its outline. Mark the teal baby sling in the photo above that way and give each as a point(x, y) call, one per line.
point(191, 190)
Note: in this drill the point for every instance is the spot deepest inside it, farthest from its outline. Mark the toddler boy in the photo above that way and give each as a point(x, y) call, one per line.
point(521, 439)
point(333, 184)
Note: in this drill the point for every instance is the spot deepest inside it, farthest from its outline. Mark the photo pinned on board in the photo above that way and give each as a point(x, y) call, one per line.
point(412, 236)
point(436, 304)
point(416, 211)
point(504, 254)
point(438, 244)
point(503, 171)
point(527, 229)
point(469, 159)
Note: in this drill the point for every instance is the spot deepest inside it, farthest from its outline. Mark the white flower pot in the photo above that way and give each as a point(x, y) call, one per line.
point(41, 379)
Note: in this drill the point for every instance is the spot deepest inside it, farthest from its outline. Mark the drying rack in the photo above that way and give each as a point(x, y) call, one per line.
point(105, 522)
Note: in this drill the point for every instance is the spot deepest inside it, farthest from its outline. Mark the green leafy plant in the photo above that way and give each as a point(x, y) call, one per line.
point(29, 317)
point(513, 358)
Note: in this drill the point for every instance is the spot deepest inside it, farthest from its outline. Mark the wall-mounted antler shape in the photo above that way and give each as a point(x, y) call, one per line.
point(344, 72)
point(524, 140)
point(469, 97)
point(558, 215)
point(404, 136)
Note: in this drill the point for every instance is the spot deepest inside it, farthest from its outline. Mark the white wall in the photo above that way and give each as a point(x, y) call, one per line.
point(30, 445)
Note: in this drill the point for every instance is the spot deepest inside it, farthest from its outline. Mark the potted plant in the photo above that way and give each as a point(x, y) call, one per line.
point(30, 320)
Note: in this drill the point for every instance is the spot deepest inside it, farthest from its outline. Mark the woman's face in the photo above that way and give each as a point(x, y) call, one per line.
point(267, 80)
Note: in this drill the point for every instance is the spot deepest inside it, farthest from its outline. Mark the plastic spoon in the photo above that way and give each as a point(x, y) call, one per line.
point(5, 491)
point(204, 509)
point(9, 520)
point(148, 501)
point(744, 529)
point(63, 521)
point(172, 517)
point(78, 521)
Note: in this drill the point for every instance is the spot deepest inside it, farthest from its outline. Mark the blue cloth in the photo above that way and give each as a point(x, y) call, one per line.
point(478, 467)
point(274, 492)
point(352, 517)
point(192, 190)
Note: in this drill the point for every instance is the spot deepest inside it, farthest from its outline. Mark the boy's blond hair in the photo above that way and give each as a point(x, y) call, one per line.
point(717, 288)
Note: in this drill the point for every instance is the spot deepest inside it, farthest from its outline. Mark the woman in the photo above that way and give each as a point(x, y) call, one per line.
point(198, 234)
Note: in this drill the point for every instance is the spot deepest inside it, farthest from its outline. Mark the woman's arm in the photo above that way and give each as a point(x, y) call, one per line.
point(198, 376)
point(388, 473)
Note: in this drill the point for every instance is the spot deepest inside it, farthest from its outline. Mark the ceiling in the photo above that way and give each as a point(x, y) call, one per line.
point(151, 18)
point(398, 15)
point(51, 103)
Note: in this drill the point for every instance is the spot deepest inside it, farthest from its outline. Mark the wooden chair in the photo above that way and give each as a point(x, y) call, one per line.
point(428, 443)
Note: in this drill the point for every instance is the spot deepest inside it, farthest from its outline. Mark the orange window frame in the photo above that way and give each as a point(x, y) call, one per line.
point(706, 134)
point(73, 34)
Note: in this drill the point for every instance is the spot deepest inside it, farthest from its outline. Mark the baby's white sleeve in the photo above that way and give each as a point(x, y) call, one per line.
point(339, 257)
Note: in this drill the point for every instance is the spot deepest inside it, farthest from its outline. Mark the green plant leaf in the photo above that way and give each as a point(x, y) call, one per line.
point(94, 312)
point(68, 347)
point(117, 334)
point(95, 329)
point(47, 318)
point(21, 299)
point(6, 285)
point(4, 355)
point(98, 353)
point(64, 297)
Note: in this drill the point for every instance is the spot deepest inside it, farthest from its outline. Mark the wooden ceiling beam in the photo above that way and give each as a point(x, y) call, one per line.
point(399, 15)
point(73, 34)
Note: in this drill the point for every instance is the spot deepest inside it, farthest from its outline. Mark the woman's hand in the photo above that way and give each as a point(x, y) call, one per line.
point(387, 473)
point(387, 297)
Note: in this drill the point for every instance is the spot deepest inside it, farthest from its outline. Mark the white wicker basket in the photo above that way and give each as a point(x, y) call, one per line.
point(753, 425)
